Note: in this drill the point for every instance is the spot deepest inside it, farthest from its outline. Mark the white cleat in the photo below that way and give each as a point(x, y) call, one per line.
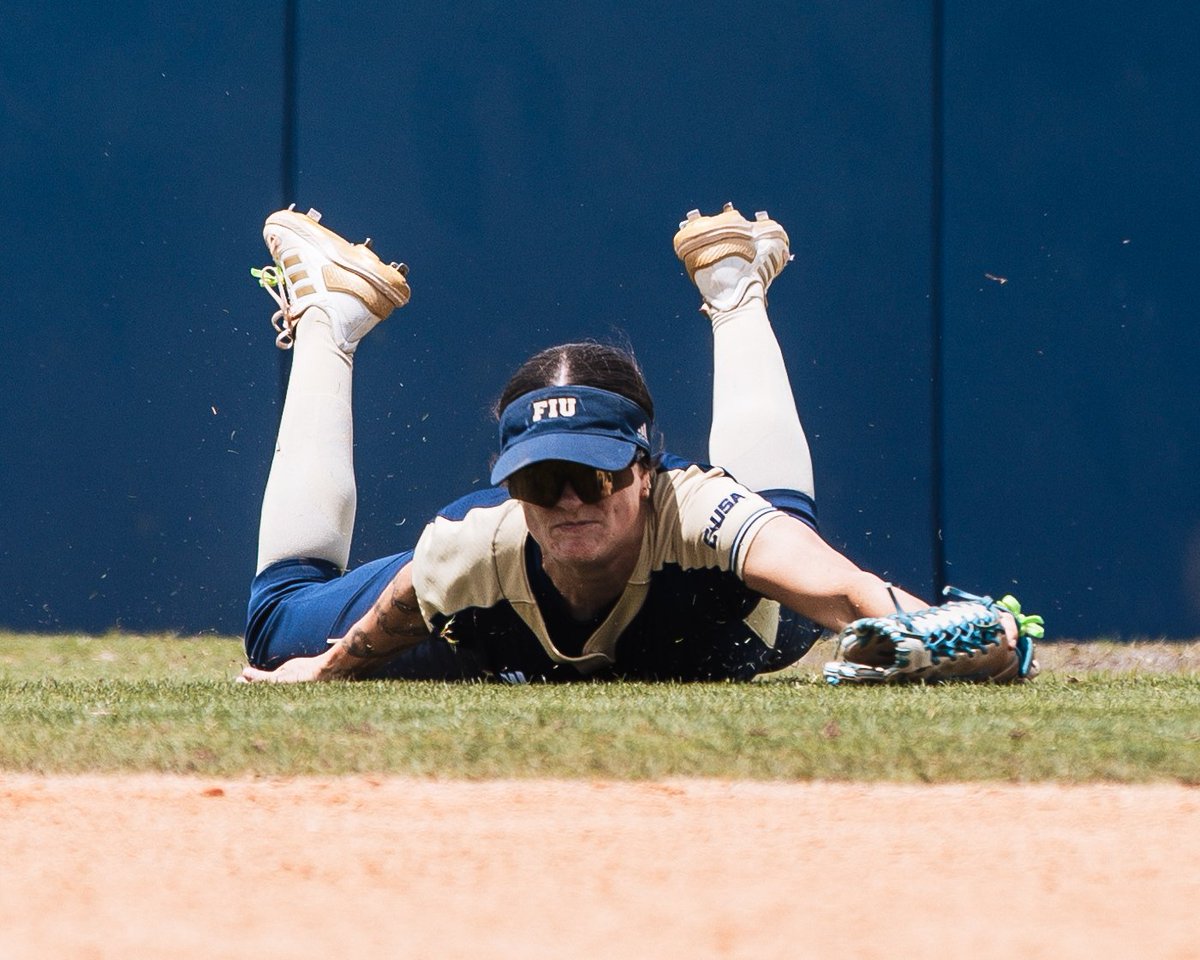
point(729, 258)
point(314, 267)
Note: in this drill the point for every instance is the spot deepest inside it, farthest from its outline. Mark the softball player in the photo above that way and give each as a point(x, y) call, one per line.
point(592, 556)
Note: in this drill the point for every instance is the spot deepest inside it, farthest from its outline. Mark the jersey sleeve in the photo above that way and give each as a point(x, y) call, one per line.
point(707, 519)
point(459, 558)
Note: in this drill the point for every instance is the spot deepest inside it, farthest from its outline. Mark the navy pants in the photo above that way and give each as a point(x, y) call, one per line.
point(298, 606)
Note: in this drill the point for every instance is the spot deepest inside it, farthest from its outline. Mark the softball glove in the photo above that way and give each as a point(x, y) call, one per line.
point(961, 640)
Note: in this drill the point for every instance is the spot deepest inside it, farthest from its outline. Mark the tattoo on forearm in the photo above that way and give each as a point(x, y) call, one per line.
point(357, 645)
point(395, 626)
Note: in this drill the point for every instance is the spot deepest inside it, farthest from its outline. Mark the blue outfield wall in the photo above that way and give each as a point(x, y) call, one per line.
point(530, 162)
point(1073, 134)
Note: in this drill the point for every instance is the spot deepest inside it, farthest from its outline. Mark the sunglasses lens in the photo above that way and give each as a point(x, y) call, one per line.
point(589, 483)
point(536, 485)
point(542, 483)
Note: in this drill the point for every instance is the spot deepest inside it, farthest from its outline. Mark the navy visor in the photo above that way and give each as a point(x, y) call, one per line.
point(581, 424)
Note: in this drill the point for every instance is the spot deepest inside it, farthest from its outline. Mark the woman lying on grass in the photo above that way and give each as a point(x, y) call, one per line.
point(593, 556)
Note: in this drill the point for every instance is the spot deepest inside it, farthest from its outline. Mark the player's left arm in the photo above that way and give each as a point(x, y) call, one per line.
point(392, 624)
point(789, 562)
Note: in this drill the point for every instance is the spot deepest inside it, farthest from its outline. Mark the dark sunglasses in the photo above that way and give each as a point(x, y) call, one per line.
point(542, 483)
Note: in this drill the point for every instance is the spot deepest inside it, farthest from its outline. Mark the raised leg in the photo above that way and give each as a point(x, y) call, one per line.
point(756, 433)
point(331, 293)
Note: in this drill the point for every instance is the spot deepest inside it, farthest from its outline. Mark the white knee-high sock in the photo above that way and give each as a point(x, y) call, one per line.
point(308, 508)
point(756, 433)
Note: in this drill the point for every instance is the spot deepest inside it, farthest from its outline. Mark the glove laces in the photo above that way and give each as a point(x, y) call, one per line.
point(954, 628)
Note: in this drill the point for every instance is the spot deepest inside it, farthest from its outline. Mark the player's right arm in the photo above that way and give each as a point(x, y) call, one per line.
point(391, 626)
point(789, 562)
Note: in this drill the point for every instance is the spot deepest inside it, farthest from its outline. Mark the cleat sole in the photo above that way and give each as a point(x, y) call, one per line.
point(702, 241)
point(356, 258)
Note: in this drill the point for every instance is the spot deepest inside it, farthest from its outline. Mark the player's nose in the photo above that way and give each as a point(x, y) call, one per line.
point(569, 498)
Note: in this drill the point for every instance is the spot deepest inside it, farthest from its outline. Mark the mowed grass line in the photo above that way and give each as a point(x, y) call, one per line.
point(76, 704)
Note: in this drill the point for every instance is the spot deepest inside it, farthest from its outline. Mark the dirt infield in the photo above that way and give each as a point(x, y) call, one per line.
point(144, 866)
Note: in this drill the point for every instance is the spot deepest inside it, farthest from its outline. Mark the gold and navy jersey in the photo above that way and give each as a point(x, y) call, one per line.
point(684, 613)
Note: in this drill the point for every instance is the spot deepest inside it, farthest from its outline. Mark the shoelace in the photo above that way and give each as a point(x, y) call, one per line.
point(270, 278)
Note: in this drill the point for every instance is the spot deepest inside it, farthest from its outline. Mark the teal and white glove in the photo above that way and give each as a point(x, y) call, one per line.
point(961, 640)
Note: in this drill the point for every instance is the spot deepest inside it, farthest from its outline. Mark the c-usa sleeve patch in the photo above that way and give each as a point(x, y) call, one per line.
point(715, 517)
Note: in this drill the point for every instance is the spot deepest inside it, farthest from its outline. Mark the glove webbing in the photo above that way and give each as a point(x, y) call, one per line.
point(953, 632)
point(972, 623)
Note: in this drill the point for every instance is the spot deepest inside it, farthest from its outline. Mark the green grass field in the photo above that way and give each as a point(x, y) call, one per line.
point(1099, 712)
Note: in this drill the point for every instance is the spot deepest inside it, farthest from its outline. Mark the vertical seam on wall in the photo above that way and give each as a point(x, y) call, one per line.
point(287, 152)
point(936, 305)
point(287, 172)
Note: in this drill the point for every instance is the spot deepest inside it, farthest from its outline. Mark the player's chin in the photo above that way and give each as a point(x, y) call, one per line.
point(577, 545)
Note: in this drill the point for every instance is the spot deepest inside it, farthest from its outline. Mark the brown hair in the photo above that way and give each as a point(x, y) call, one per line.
point(587, 364)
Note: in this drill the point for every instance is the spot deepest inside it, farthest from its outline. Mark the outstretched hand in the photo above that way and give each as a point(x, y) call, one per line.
point(299, 670)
